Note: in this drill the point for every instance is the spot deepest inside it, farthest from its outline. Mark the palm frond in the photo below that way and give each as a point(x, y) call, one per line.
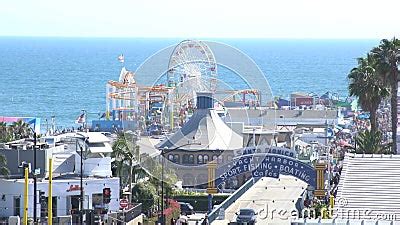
point(4, 171)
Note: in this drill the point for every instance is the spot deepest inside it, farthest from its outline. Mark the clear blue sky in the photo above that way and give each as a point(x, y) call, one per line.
point(201, 18)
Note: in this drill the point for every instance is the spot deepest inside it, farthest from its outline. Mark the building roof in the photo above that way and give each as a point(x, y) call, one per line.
point(271, 117)
point(369, 183)
point(95, 137)
point(100, 147)
point(207, 129)
point(272, 113)
point(62, 179)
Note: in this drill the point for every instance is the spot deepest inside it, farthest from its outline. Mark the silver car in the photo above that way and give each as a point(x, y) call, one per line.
point(247, 216)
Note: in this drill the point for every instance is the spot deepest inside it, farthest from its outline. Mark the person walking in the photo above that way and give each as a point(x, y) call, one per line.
point(205, 221)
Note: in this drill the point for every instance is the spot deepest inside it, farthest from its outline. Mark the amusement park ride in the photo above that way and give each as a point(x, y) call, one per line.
point(192, 68)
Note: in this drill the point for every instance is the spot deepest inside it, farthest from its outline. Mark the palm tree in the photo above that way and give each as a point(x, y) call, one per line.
point(388, 55)
point(370, 142)
point(119, 147)
point(4, 134)
point(20, 130)
point(3, 169)
point(124, 154)
point(368, 86)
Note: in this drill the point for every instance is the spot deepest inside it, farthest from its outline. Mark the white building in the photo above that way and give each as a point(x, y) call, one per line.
point(66, 153)
point(66, 193)
point(97, 160)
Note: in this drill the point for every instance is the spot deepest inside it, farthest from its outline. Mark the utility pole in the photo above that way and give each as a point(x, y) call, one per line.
point(26, 175)
point(50, 195)
point(81, 197)
point(85, 139)
point(162, 189)
point(34, 180)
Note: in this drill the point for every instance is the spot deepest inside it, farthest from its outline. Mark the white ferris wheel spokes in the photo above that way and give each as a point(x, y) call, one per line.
point(192, 66)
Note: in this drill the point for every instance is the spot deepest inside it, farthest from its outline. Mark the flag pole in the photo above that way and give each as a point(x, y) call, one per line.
point(85, 117)
point(121, 59)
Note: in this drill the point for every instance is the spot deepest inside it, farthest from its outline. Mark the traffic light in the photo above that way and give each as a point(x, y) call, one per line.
point(106, 195)
point(42, 198)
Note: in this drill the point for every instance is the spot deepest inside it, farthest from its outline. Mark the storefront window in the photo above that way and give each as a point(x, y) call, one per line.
point(73, 204)
point(17, 206)
point(97, 200)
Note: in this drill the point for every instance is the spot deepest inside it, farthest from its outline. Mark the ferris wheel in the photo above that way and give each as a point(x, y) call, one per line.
point(192, 67)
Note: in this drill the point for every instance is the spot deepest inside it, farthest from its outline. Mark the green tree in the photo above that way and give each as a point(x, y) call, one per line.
point(145, 193)
point(3, 168)
point(370, 142)
point(153, 169)
point(388, 55)
point(5, 134)
point(124, 154)
point(366, 84)
point(20, 130)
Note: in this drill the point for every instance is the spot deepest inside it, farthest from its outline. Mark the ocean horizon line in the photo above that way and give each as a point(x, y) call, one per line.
point(198, 38)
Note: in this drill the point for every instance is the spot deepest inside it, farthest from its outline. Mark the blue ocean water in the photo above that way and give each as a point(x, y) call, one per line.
point(44, 77)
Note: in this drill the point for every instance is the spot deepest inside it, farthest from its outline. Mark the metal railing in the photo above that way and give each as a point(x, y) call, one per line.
point(128, 215)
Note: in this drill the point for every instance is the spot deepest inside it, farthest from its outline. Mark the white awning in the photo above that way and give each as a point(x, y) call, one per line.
point(101, 147)
point(95, 137)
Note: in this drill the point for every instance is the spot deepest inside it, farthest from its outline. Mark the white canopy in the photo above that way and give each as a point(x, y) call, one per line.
point(206, 128)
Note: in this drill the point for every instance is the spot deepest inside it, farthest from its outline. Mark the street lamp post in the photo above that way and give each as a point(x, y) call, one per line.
point(162, 187)
point(85, 139)
point(34, 180)
point(163, 152)
point(329, 168)
point(81, 194)
point(34, 175)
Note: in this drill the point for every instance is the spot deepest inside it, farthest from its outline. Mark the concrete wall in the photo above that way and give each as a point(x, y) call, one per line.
point(137, 220)
point(15, 157)
point(8, 190)
point(93, 166)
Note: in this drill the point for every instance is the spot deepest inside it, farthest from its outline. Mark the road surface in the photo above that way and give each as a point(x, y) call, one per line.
point(273, 199)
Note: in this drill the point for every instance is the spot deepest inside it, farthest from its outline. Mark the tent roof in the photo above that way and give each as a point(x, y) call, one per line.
point(206, 128)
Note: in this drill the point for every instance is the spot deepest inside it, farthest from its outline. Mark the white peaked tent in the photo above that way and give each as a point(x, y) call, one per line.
point(207, 130)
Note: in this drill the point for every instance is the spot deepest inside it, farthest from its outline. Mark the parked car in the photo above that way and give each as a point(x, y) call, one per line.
point(246, 215)
point(186, 208)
